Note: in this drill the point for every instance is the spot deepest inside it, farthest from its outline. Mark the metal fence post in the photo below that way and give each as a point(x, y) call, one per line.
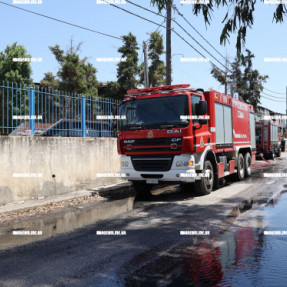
point(32, 110)
point(83, 115)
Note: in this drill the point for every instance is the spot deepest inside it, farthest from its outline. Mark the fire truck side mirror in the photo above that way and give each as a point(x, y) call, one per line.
point(201, 108)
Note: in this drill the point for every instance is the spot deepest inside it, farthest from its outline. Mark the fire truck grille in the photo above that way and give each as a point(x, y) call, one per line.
point(152, 163)
point(152, 145)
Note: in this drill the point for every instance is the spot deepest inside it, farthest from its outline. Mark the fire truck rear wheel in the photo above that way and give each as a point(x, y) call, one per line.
point(143, 190)
point(205, 184)
point(240, 167)
point(278, 153)
point(282, 146)
point(271, 154)
point(247, 164)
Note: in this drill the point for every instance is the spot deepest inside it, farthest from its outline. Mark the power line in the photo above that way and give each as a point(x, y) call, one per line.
point(271, 99)
point(180, 14)
point(61, 21)
point(184, 39)
point(159, 26)
point(274, 92)
point(201, 45)
point(180, 27)
point(272, 96)
point(137, 5)
point(143, 18)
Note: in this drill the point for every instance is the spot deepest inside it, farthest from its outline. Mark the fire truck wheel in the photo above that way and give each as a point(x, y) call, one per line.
point(247, 164)
point(240, 167)
point(143, 190)
point(205, 184)
point(271, 154)
point(282, 145)
point(278, 153)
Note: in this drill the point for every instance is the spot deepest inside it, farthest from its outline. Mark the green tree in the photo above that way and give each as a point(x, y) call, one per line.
point(242, 79)
point(141, 73)
point(14, 71)
point(109, 89)
point(128, 69)
point(238, 17)
point(253, 82)
point(50, 82)
point(18, 73)
point(157, 69)
point(75, 75)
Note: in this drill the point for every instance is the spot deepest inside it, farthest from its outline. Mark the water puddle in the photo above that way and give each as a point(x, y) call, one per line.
point(65, 221)
point(245, 252)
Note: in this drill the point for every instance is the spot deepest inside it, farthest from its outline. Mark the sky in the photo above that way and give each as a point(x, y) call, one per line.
point(266, 39)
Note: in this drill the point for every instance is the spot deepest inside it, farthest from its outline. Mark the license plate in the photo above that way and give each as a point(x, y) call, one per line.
point(152, 181)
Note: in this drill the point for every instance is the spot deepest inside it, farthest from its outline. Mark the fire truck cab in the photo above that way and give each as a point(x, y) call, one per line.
point(179, 135)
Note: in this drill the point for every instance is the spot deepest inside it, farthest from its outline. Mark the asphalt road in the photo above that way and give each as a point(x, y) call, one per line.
point(152, 252)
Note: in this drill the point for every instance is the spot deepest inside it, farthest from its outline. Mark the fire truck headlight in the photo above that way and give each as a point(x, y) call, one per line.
point(124, 163)
point(184, 163)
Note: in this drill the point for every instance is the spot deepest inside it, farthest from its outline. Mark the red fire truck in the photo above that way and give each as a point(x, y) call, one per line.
point(268, 139)
point(179, 135)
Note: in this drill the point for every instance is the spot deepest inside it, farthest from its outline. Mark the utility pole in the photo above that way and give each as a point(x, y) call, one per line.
point(168, 43)
point(286, 109)
point(146, 82)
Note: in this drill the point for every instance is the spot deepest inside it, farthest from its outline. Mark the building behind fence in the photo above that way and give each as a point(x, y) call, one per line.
point(27, 111)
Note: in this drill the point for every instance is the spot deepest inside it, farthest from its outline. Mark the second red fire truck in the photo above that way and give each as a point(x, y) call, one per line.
point(179, 135)
point(268, 139)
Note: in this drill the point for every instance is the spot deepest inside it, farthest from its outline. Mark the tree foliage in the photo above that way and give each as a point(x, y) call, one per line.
point(50, 82)
point(238, 18)
point(109, 89)
point(15, 71)
point(128, 69)
point(242, 79)
point(75, 74)
point(157, 69)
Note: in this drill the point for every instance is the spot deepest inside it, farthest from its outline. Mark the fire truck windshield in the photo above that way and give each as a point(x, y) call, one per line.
point(157, 112)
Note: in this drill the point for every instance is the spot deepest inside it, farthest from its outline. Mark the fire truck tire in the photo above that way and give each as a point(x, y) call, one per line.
point(278, 153)
point(143, 190)
point(282, 145)
point(204, 186)
point(271, 154)
point(240, 167)
point(247, 164)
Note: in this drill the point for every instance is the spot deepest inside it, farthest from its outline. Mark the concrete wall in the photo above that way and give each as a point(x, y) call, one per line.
point(66, 164)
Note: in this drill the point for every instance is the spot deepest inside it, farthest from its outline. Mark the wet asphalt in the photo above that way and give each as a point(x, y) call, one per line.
point(242, 245)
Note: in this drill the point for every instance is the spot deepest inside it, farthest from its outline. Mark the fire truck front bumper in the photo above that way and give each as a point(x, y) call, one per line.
point(153, 170)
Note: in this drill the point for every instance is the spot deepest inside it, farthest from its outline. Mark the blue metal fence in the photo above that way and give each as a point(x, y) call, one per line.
point(31, 111)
